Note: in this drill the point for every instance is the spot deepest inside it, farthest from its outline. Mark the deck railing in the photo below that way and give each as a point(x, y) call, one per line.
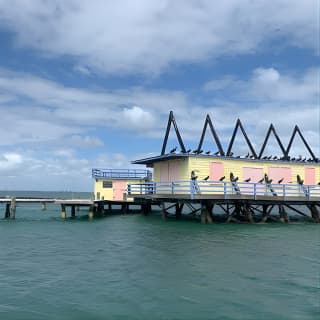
point(121, 174)
point(225, 189)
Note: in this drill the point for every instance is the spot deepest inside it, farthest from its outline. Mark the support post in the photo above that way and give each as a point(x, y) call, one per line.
point(314, 213)
point(179, 210)
point(13, 208)
point(91, 210)
point(283, 214)
point(163, 211)
point(203, 213)
point(248, 212)
point(63, 211)
point(7, 211)
point(265, 213)
point(73, 211)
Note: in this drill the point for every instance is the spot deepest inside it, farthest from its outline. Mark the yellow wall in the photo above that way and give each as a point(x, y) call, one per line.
point(202, 165)
point(231, 165)
point(107, 193)
point(183, 168)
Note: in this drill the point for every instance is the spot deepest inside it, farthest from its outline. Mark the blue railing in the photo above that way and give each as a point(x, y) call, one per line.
point(190, 188)
point(122, 174)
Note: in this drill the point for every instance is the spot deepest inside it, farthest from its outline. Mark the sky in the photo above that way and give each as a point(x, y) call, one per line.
point(90, 84)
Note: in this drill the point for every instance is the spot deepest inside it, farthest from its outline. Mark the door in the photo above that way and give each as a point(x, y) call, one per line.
point(174, 170)
point(119, 188)
point(164, 172)
point(216, 171)
point(310, 176)
point(255, 175)
point(279, 173)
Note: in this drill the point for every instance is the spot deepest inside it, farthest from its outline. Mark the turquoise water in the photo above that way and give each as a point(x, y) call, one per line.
point(136, 267)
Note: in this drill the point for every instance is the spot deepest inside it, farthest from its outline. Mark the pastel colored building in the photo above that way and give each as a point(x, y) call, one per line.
point(111, 184)
point(177, 164)
point(173, 167)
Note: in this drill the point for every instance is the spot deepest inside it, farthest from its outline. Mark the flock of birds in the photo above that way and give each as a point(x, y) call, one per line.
point(265, 179)
point(248, 156)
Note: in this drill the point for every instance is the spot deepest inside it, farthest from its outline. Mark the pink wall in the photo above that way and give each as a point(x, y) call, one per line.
point(255, 174)
point(164, 171)
point(310, 176)
point(174, 170)
point(119, 187)
point(216, 170)
point(277, 173)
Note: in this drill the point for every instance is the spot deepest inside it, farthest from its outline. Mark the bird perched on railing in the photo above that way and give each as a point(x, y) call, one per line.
point(222, 178)
point(189, 150)
point(266, 179)
point(206, 178)
point(217, 153)
point(247, 180)
point(261, 180)
point(173, 150)
point(280, 181)
point(208, 152)
point(247, 156)
point(233, 178)
point(299, 180)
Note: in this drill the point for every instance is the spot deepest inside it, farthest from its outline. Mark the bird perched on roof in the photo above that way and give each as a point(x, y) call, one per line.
point(208, 152)
point(222, 178)
point(200, 151)
point(269, 158)
point(189, 150)
point(206, 178)
point(195, 151)
point(216, 153)
point(265, 157)
point(280, 181)
point(173, 150)
point(247, 180)
point(275, 158)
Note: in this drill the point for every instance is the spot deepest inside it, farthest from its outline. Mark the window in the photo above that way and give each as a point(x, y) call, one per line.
point(106, 184)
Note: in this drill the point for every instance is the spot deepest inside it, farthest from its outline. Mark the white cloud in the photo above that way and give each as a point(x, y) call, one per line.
point(147, 36)
point(10, 160)
point(137, 118)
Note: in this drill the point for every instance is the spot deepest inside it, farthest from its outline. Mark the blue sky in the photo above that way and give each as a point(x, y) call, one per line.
point(90, 83)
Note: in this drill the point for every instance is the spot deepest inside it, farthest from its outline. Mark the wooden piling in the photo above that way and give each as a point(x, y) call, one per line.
point(63, 211)
point(13, 208)
point(283, 216)
point(179, 208)
point(73, 211)
point(43, 206)
point(7, 211)
point(314, 213)
point(163, 211)
point(91, 212)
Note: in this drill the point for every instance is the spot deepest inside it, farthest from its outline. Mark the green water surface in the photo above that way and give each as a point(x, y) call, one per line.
point(136, 267)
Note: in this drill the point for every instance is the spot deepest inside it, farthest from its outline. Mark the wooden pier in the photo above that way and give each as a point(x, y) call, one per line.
point(97, 208)
point(240, 202)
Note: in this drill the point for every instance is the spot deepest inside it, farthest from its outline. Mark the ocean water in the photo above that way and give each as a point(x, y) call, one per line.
point(137, 267)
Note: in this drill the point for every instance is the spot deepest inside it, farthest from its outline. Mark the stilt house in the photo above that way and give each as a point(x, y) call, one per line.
point(225, 166)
